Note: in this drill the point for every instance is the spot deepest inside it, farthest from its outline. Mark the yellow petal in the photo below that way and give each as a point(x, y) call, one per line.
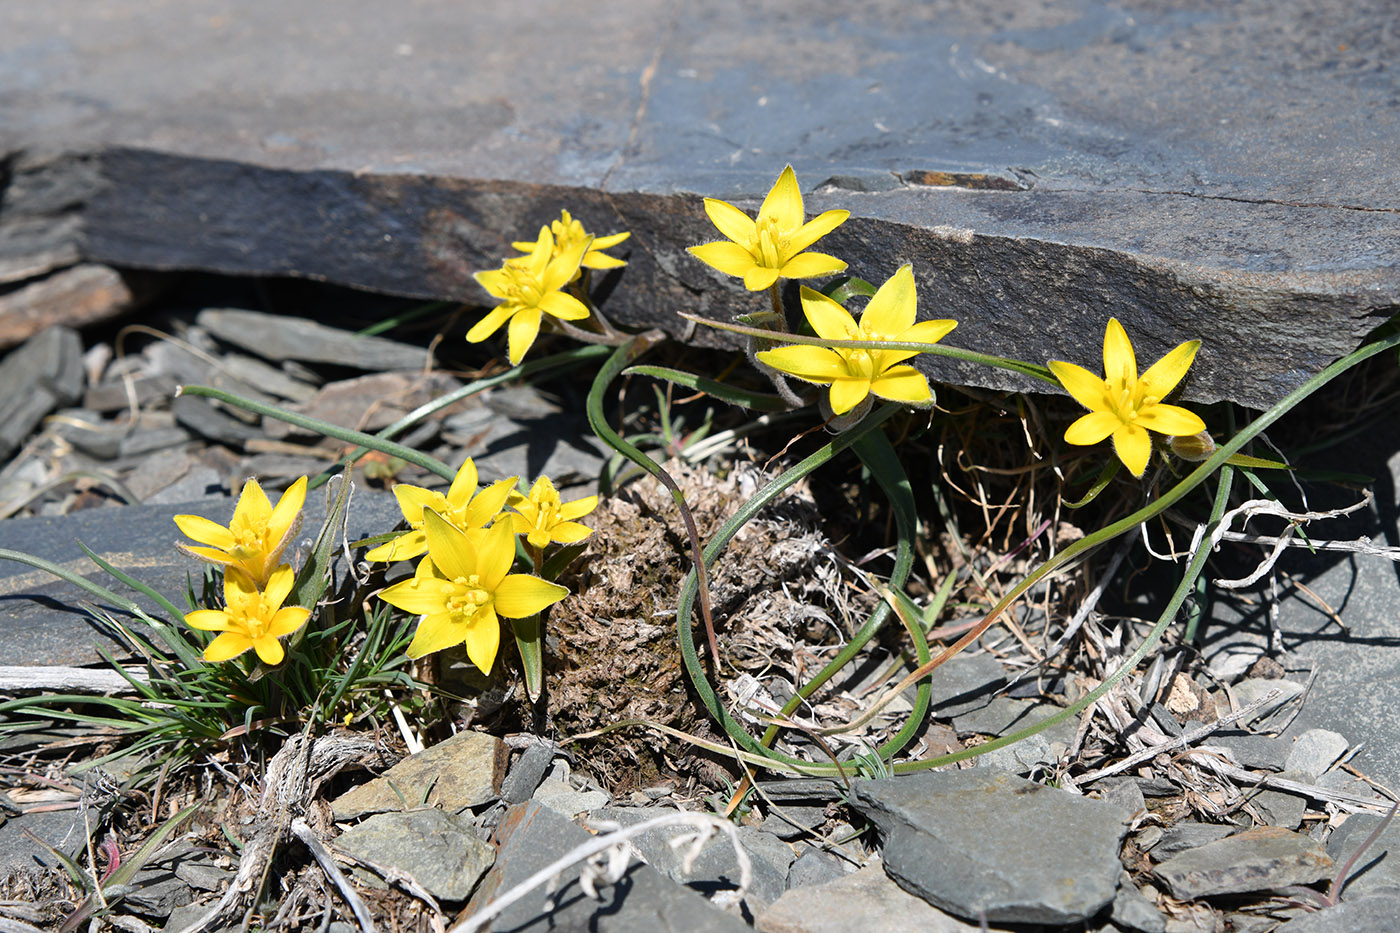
point(730, 221)
point(593, 259)
point(1119, 361)
point(413, 500)
point(927, 332)
point(1086, 388)
point(495, 281)
point(525, 246)
point(1170, 419)
point(829, 320)
point(814, 364)
point(758, 278)
point(569, 532)
point(420, 595)
point(494, 555)
point(894, 308)
point(783, 203)
point(848, 393)
point(489, 502)
point(563, 267)
point(539, 257)
point(902, 384)
point(483, 638)
point(404, 547)
point(1092, 428)
point(537, 537)
point(609, 241)
point(492, 322)
point(269, 650)
point(815, 229)
point(811, 265)
point(253, 505)
point(521, 595)
point(288, 508)
point(436, 632)
point(198, 528)
point(578, 508)
point(458, 494)
point(524, 328)
point(288, 620)
point(1133, 446)
point(565, 307)
point(208, 620)
point(729, 258)
point(228, 645)
point(448, 546)
point(279, 585)
point(1163, 375)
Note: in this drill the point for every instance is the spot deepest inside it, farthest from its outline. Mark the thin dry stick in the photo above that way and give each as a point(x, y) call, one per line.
point(323, 857)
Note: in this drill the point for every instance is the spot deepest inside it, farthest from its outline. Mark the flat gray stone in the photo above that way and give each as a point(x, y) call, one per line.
point(1378, 868)
point(278, 337)
point(981, 842)
point(814, 866)
point(43, 373)
point(527, 772)
point(156, 892)
point(1281, 809)
point(1039, 752)
point(964, 684)
point(459, 772)
point(869, 895)
point(439, 849)
point(1064, 161)
point(1255, 860)
point(1132, 910)
point(1184, 836)
point(1266, 752)
point(1352, 915)
point(1315, 751)
point(41, 616)
point(531, 836)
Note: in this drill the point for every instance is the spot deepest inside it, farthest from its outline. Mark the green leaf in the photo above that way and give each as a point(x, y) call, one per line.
point(756, 401)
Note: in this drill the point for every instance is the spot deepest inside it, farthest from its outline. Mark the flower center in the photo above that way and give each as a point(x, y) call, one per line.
point(467, 598)
point(772, 244)
point(860, 363)
point(547, 505)
point(521, 287)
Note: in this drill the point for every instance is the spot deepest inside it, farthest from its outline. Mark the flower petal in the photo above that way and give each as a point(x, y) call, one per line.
point(730, 221)
point(414, 500)
point(228, 645)
point(496, 281)
point(1162, 376)
point(1170, 419)
point(609, 241)
point(521, 595)
point(783, 205)
point(288, 620)
point(569, 532)
point(1086, 388)
point(448, 546)
point(269, 650)
point(757, 278)
point(902, 384)
point(565, 307)
point(279, 585)
point(524, 328)
point(495, 552)
point(1119, 361)
point(489, 502)
point(419, 595)
point(404, 547)
point(1092, 428)
point(458, 494)
point(564, 267)
point(927, 332)
point(436, 632)
point(492, 322)
point(288, 509)
point(208, 620)
point(848, 393)
point(815, 229)
point(578, 508)
point(1133, 446)
point(483, 638)
point(829, 320)
point(593, 259)
point(894, 307)
point(729, 258)
point(811, 265)
point(814, 364)
point(253, 506)
point(198, 528)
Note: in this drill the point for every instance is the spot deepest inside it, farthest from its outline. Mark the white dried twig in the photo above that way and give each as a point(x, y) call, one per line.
point(1276, 509)
point(323, 857)
point(611, 867)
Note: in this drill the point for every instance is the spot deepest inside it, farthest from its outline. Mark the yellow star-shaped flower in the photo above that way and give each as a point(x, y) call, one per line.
point(255, 538)
point(251, 618)
point(567, 232)
point(764, 250)
point(1124, 405)
point(462, 587)
point(463, 507)
point(855, 373)
point(543, 517)
point(529, 288)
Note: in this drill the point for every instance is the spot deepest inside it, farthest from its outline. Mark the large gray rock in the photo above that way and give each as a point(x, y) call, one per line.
point(1378, 868)
point(439, 849)
point(866, 898)
point(1214, 172)
point(1255, 860)
point(982, 842)
point(462, 771)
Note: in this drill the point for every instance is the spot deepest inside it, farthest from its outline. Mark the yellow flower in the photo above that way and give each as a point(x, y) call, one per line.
point(251, 618)
point(855, 373)
point(1124, 405)
point(461, 588)
point(254, 540)
point(528, 287)
point(541, 517)
point(763, 251)
point(568, 232)
point(462, 507)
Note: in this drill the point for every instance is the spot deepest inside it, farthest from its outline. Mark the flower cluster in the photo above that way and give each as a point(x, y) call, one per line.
point(256, 582)
point(463, 584)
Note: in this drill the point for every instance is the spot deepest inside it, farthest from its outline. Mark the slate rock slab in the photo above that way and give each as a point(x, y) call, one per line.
point(531, 836)
point(1353, 915)
point(1378, 869)
point(44, 373)
point(462, 771)
point(1220, 172)
point(867, 898)
point(984, 842)
point(1255, 860)
point(439, 849)
point(279, 337)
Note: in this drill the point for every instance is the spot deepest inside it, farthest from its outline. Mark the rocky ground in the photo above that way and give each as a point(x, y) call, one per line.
point(1207, 792)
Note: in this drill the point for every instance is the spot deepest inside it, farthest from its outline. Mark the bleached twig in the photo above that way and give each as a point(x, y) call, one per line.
point(323, 857)
point(23, 679)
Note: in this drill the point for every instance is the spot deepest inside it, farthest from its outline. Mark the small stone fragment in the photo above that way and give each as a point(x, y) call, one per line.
point(964, 684)
point(1315, 751)
point(561, 797)
point(1282, 809)
point(1123, 793)
point(464, 771)
point(1254, 688)
point(1253, 751)
point(1000, 716)
point(365, 403)
point(277, 337)
point(1038, 752)
point(1132, 910)
point(1255, 860)
point(268, 378)
point(1372, 912)
point(985, 842)
point(43, 374)
point(1184, 836)
point(815, 866)
point(74, 297)
point(865, 900)
point(527, 773)
point(439, 849)
point(200, 417)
